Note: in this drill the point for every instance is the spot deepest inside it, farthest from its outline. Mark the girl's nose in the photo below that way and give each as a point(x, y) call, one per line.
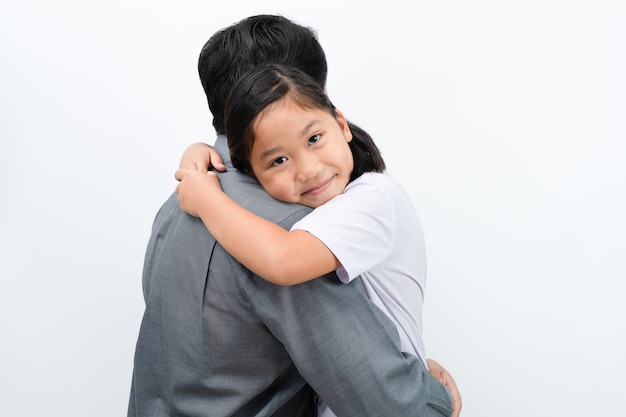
point(308, 168)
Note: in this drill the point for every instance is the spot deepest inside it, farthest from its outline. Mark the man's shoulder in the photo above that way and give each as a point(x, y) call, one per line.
point(247, 192)
point(171, 221)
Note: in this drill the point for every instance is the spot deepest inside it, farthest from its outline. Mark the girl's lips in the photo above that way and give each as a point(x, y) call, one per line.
point(319, 188)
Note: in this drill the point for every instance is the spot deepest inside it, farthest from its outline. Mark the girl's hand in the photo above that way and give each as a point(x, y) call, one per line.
point(196, 190)
point(201, 157)
point(446, 379)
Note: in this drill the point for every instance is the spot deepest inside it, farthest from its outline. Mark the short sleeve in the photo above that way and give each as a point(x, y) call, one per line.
point(357, 226)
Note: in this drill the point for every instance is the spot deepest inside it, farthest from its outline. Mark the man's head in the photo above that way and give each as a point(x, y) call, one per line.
point(254, 41)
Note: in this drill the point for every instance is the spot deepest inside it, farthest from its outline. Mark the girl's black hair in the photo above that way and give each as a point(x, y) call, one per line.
point(265, 85)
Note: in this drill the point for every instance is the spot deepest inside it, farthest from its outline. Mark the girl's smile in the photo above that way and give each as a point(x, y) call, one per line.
point(319, 189)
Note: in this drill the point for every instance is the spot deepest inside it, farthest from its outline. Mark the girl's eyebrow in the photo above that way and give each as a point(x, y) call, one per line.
point(277, 149)
point(269, 152)
point(307, 127)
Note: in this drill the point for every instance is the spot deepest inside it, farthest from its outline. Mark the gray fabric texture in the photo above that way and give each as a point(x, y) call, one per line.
point(216, 340)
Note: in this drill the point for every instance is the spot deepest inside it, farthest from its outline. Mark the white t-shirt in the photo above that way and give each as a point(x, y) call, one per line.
point(374, 231)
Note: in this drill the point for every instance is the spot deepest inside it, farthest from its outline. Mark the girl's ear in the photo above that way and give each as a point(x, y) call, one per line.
point(343, 124)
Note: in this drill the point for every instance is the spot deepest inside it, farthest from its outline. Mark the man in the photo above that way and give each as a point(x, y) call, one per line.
point(216, 340)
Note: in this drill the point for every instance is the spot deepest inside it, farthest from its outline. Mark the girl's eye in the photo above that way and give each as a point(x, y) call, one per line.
point(279, 161)
point(313, 139)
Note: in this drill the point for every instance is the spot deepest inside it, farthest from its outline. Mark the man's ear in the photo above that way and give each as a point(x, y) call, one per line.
point(343, 124)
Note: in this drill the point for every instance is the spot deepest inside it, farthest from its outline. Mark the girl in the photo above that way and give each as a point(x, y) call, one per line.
point(283, 130)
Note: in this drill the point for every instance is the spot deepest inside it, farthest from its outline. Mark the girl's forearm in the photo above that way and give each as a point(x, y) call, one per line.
point(277, 255)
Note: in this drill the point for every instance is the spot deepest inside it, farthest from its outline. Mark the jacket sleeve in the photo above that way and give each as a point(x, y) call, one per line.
point(347, 349)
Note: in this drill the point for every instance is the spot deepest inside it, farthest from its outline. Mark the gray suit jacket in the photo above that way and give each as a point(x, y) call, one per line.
point(216, 340)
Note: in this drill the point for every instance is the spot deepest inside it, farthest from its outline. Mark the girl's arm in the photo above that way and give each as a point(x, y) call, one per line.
point(200, 157)
point(277, 255)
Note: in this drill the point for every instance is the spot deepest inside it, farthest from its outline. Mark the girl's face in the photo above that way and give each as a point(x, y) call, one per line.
point(301, 155)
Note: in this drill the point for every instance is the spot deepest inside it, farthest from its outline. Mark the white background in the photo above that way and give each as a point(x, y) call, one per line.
point(505, 120)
